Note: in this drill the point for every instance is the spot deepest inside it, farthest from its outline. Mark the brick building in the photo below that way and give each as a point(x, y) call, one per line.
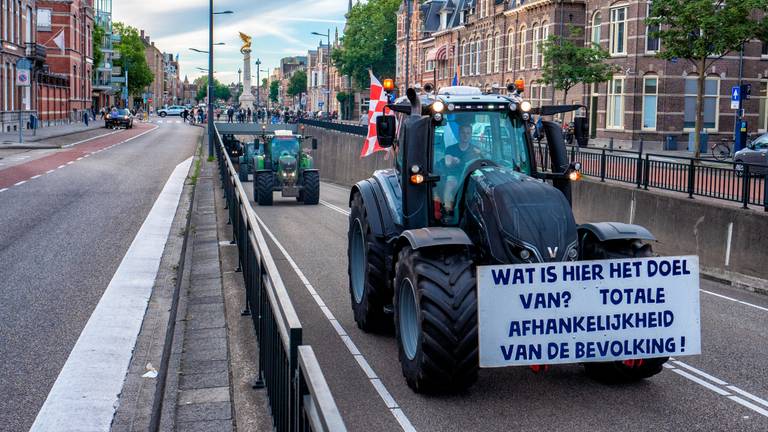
point(17, 31)
point(156, 64)
point(68, 37)
point(490, 43)
point(104, 90)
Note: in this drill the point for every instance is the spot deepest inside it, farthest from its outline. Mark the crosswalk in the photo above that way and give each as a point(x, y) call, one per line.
point(167, 121)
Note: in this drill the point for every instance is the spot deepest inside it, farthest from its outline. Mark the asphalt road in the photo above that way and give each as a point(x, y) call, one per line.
point(723, 389)
point(63, 233)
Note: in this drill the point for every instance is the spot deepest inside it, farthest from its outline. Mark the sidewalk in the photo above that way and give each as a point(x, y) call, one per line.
point(11, 139)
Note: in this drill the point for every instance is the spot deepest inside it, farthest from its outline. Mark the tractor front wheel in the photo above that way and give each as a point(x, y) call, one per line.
point(368, 286)
point(262, 185)
point(436, 319)
point(626, 370)
point(242, 172)
point(310, 193)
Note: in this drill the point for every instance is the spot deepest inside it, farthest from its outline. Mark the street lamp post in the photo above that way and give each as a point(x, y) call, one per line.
point(258, 83)
point(211, 91)
point(328, 72)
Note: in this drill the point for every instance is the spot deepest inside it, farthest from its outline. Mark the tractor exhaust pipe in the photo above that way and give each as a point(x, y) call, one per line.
point(558, 155)
point(413, 98)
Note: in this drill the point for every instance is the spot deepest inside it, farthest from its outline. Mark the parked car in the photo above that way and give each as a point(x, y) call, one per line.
point(173, 110)
point(124, 118)
point(756, 155)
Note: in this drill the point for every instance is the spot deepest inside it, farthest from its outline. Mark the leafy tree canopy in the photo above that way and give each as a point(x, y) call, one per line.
point(221, 91)
point(567, 63)
point(98, 40)
point(298, 83)
point(132, 59)
point(274, 89)
point(369, 41)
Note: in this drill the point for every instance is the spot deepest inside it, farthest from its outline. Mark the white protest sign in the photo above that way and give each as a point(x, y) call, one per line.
point(587, 311)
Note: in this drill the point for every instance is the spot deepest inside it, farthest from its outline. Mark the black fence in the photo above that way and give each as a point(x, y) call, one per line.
point(298, 393)
point(729, 181)
point(337, 126)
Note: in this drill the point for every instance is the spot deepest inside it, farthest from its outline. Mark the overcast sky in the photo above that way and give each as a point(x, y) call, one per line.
point(279, 28)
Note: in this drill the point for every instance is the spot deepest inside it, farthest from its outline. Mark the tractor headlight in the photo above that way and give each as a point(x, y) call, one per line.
point(525, 106)
point(438, 106)
point(513, 107)
point(524, 254)
point(438, 117)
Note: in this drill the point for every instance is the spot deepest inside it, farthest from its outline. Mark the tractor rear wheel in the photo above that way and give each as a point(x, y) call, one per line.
point(310, 193)
point(436, 319)
point(262, 185)
point(242, 172)
point(626, 370)
point(368, 282)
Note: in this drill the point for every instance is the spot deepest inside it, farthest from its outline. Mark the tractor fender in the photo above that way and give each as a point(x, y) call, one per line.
point(606, 231)
point(376, 205)
point(435, 236)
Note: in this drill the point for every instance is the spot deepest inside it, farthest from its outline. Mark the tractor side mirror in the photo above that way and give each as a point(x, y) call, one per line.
point(314, 143)
point(385, 130)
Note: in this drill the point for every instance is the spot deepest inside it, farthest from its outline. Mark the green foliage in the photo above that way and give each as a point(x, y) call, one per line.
point(369, 41)
point(704, 31)
point(341, 96)
point(274, 89)
point(567, 64)
point(298, 83)
point(220, 90)
point(98, 40)
point(264, 83)
point(132, 59)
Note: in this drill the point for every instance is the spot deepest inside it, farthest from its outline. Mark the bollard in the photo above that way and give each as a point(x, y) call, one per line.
point(610, 144)
point(641, 145)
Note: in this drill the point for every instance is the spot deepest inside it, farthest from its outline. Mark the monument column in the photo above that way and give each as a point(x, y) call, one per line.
point(246, 98)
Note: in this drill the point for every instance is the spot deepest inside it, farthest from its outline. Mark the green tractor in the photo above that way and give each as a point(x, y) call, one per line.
point(249, 160)
point(286, 167)
point(465, 191)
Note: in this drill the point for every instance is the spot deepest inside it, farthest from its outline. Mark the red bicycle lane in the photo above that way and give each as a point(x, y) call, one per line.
point(21, 173)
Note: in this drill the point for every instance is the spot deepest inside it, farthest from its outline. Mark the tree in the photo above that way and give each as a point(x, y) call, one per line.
point(298, 83)
point(220, 91)
point(132, 59)
point(703, 32)
point(369, 41)
point(567, 64)
point(264, 83)
point(98, 40)
point(274, 89)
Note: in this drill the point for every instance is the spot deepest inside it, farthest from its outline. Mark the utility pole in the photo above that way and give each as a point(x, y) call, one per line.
point(738, 136)
point(211, 91)
point(258, 83)
point(407, 41)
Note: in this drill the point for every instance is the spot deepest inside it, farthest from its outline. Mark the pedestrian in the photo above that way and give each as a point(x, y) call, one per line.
point(184, 115)
point(248, 114)
point(85, 117)
point(230, 113)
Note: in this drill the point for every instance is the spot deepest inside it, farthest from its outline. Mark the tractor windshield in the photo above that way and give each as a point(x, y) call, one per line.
point(282, 146)
point(468, 136)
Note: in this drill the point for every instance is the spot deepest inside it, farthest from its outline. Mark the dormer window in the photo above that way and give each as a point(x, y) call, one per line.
point(443, 20)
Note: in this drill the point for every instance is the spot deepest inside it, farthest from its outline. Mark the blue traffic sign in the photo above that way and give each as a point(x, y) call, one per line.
point(735, 94)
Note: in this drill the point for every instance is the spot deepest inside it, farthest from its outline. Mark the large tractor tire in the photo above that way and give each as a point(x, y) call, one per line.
point(262, 186)
point(368, 282)
point(627, 370)
point(310, 193)
point(242, 172)
point(436, 319)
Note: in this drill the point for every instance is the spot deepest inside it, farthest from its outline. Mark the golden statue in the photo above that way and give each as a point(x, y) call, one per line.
point(246, 43)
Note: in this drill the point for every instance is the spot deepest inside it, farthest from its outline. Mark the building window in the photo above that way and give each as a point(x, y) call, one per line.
point(711, 92)
point(489, 54)
point(650, 101)
point(523, 43)
point(463, 59)
point(544, 36)
point(618, 45)
point(472, 58)
point(510, 49)
point(430, 66)
point(497, 56)
point(535, 40)
point(762, 121)
point(615, 112)
point(478, 50)
point(597, 22)
point(651, 42)
point(764, 52)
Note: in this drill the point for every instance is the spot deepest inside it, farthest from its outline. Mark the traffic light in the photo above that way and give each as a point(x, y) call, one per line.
point(746, 91)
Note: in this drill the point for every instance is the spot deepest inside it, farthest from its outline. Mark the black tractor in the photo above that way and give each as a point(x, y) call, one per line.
point(466, 190)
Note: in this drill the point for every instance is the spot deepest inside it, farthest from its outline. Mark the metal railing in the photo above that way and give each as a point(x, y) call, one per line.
point(298, 393)
point(337, 126)
point(729, 181)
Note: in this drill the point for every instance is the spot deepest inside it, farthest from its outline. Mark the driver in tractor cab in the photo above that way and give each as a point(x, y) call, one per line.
point(457, 157)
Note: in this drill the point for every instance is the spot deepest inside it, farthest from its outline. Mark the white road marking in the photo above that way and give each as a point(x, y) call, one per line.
point(178, 121)
point(60, 166)
point(749, 405)
point(3, 189)
point(20, 183)
point(701, 382)
point(91, 380)
point(80, 158)
point(390, 402)
point(35, 176)
point(70, 162)
point(699, 372)
point(86, 140)
point(50, 171)
point(333, 186)
point(735, 300)
point(749, 395)
point(335, 208)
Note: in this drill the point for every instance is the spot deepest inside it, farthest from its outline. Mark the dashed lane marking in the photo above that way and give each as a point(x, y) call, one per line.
point(378, 385)
point(36, 177)
point(20, 183)
point(50, 171)
point(92, 378)
point(60, 166)
point(88, 139)
point(335, 208)
point(3, 189)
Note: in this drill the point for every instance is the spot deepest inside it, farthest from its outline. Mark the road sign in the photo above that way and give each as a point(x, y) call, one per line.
point(118, 79)
point(735, 97)
point(321, 103)
point(149, 100)
point(22, 77)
